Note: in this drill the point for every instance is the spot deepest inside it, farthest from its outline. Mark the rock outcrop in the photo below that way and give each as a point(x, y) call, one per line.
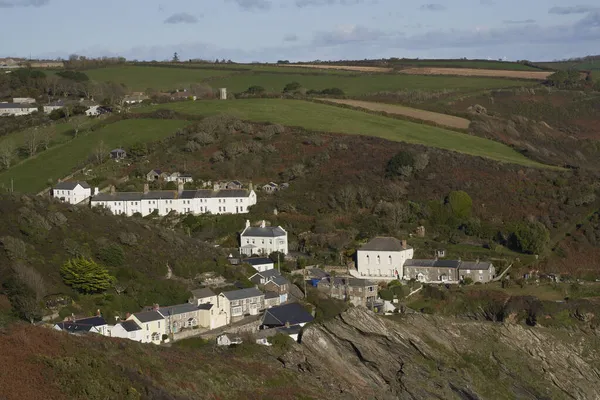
point(429, 357)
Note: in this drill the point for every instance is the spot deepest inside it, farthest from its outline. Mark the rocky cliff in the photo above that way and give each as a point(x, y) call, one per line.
point(425, 357)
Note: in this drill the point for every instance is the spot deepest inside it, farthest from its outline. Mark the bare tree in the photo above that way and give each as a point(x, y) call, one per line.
point(32, 279)
point(31, 141)
point(46, 136)
point(100, 152)
point(346, 196)
point(77, 122)
point(7, 151)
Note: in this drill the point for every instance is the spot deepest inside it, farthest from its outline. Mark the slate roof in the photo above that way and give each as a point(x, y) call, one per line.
point(258, 261)
point(149, 316)
point(271, 295)
point(205, 306)
point(476, 265)
point(316, 272)
point(292, 313)
point(268, 231)
point(243, 294)
point(178, 309)
point(130, 326)
point(170, 195)
point(278, 280)
point(81, 325)
point(433, 263)
point(202, 293)
point(384, 244)
point(352, 282)
point(69, 185)
point(17, 105)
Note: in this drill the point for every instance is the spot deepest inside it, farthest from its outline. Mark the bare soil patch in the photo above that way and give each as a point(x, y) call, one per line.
point(492, 73)
point(340, 67)
point(440, 119)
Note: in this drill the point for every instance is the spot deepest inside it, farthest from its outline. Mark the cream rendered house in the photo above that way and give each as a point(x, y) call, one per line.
point(153, 326)
point(383, 258)
point(73, 192)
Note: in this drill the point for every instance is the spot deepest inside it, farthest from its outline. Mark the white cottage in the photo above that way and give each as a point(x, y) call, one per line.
point(383, 258)
point(16, 109)
point(263, 240)
point(73, 192)
point(127, 330)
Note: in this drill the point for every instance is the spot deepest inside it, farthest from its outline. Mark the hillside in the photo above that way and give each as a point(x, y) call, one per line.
point(353, 356)
point(38, 236)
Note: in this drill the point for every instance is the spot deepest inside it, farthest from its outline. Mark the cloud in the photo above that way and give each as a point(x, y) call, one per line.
point(250, 5)
point(519, 22)
point(181, 18)
point(433, 7)
point(23, 3)
point(292, 37)
point(344, 34)
point(309, 3)
point(580, 9)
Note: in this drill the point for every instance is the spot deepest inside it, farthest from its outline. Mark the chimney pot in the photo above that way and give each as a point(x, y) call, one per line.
point(127, 315)
point(146, 188)
point(112, 189)
point(404, 244)
point(263, 224)
point(180, 187)
point(98, 313)
point(247, 223)
point(155, 307)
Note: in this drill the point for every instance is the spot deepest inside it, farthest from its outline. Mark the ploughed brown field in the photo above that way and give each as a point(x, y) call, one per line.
point(492, 73)
point(440, 119)
point(341, 67)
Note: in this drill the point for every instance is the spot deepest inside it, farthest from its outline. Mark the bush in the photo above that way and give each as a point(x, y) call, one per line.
point(460, 204)
point(401, 165)
point(386, 294)
point(112, 255)
point(281, 342)
point(467, 281)
point(291, 87)
point(255, 90)
point(530, 237)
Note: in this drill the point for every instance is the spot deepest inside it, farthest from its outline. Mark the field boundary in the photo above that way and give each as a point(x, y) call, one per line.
point(438, 119)
point(487, 73)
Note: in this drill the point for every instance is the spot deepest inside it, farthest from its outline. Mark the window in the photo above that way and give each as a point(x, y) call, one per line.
point(263, 241)
point(368, 259)
point(155, 337)
point(147, 327)
point(252, 241)
point(480, 277)
point(235, 303)
point(236, 311)
point(271, 241)
point(378, 260)
point(390, 260)
point(159, 324)
point(247, 241)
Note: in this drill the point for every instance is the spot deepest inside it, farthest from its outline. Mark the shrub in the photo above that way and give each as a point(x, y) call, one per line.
point(281, 342)
point(401, 164)
point(530, 237)
point(112, 255)
point(255, 90)
point(467, 281)
point(86, 276)
point(333, 91)
point(386, 294)
point(291, 87)
point(460, 204)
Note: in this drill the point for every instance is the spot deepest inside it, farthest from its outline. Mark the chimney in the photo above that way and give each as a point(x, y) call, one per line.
point(477, 261)
point(216, 187)
point(287, 324)
point(112, 189)
point(180, 188)
point(404, 244)
point(247, 223)
point(146, 188)
point(250, 186)
point(98, 313)
point(263, 223)
point(155, 307)
point(96, 191)
point(127, 315)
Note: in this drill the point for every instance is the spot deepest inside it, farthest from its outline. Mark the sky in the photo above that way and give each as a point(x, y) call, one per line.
point(300, 30)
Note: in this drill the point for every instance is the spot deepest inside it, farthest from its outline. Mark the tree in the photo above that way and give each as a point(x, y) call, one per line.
point(175, 57)
point(86, 276)
point(100, 153)
point(7, 152)
point(530, 237)
point(291, 87)
point(77, 122)
point(400, 165)
point(460, 204)
point(255, 90)
point(31, 141)
point(46, 136)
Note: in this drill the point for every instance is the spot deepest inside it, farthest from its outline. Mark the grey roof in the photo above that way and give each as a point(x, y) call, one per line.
point(178, 309)
point(476, 265)
point(352, 282)
point(81, 325)
point(268, 231)
point(316, 272)
point(205, 306)
point(69, 185)
point(271, 295)
point(170, 194)
point(433, 263)
point(292, 313)
point(17, 105)
point(243, 294)
point(202, 293)
point(279, 280)
point(118, 151)
point(232, 193)
point(258, 261)
point(149, 316)
point(156, 171)
point(384, 244)
point(130, 326)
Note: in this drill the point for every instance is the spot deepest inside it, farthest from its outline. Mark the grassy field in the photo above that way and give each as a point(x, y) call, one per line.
point(61, 133)
point(142, 78)
point(32, 174)
point(321, 117)
point(483, 64)
point(362, 84)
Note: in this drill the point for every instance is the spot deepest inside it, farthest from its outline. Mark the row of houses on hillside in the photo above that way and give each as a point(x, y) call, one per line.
point(156, 175)
point(205, 309)
point(27, 105)
point(387, 258)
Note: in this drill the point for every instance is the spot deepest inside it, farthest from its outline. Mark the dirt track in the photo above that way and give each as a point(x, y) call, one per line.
point(341, 67)
point(440, 119)
point(492, 73)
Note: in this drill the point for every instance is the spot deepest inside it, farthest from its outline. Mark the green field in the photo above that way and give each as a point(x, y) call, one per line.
point(479, 64)
point(354, 85)
point(32, 174)
point(321, 117)
point(61, 133)
point(142, 78)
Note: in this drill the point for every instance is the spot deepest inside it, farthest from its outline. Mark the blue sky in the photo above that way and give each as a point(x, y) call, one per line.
point(268, 30)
